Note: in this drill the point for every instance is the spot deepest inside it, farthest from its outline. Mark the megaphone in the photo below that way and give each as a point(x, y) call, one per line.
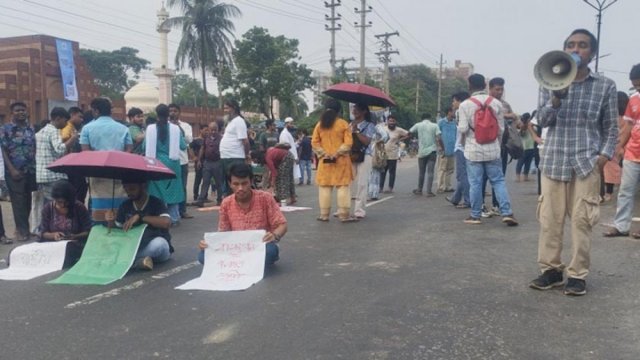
point(556, 69)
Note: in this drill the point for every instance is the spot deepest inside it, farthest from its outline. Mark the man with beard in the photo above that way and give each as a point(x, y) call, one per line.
point(396, 135)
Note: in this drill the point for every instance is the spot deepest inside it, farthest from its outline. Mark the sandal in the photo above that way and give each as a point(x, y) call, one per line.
point(323, 219)
point(5, 240)
point(348, 219)
point(613, 232)
point(635, 235)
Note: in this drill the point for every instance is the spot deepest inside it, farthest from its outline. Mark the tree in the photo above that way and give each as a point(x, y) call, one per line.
point(266, 69)
point(206, 36)
point(111, 69)
point(187, 91)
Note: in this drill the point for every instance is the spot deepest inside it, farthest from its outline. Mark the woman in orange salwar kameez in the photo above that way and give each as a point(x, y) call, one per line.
point(331, 143)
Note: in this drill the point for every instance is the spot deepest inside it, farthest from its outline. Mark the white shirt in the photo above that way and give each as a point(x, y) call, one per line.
point(286, 137)
point(472, 150)
point(231, 145)
point(188, 138)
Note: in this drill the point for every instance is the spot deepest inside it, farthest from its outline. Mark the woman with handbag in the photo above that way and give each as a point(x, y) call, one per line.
point(363, 131)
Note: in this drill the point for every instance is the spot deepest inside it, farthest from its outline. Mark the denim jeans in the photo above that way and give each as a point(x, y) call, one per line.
point(626, 195)
point(157, 249)
point(524, 163)
point(270, 257)
point(427, 164)
point(462, 186)
point(305, 165)
point(476, 170)
point(174, 212)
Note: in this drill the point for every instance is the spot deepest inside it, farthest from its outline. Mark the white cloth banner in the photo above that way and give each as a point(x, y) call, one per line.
point(36, 259)
point(234, 260)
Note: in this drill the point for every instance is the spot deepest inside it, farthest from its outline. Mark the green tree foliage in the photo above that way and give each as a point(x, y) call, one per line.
point(112, 69)
point(188, 91)
point(266, 69)
point(206, 36)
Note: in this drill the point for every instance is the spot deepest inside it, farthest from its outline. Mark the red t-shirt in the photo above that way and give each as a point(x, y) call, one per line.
point(263, 214)
point(632, 117)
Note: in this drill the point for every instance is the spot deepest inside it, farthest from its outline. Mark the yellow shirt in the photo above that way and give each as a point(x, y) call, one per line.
point(67, 131)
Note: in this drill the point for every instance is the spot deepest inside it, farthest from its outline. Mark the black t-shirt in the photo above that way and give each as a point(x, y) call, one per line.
point(305, 148)
point(153, 207)
point(195, 145)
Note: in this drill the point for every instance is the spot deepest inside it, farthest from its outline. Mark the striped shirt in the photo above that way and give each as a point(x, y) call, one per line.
point(582, 128)
point(466, 113)
point(49, 148)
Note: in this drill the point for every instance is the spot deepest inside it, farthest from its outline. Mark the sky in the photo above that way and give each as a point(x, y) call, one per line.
point(499, 37)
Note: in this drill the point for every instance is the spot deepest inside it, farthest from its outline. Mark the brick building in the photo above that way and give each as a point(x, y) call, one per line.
point(29, 72)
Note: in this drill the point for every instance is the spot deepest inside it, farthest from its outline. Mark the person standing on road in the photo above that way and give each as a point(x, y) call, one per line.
point(331, 143)
point(209, 161)
point(582, 136)
point(364, 130)
point(18, 141)
point(305, 155)
point(74, 126)
point(396, 135)
point(429, 143)
point(287, 137)
point(483, 159)
point(269, 137)
point(234, 146)
point(187, 134)
point(446, 159)
point(460, 197)
point(136, 129)
point(250, 209)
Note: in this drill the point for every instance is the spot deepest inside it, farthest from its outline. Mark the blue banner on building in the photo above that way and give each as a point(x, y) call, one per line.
point(67, 69)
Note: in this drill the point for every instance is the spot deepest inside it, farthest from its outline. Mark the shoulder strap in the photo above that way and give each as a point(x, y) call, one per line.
point(475, 101)
point(488, 101)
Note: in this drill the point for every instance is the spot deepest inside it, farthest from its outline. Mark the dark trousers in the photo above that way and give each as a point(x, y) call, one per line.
point(212, 169)
point(391, 167)
point(185, 174)
point(2, 232)
point(462, 180)
point(427, 164)
point(524, 163)
point(20, 192)
point(196, 184)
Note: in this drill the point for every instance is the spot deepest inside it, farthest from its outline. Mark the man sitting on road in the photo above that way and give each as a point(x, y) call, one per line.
point(250, 209)
point(142, 208)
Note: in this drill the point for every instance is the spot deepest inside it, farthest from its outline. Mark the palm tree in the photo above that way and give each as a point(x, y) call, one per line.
point(206, 36)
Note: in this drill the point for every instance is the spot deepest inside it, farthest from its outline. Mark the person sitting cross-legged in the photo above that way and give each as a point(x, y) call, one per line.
point(250, 209)
point(142, 208)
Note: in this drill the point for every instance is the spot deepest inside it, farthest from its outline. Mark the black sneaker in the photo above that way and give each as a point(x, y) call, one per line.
point(510, 220)
point(575, 287)
point(549, 279)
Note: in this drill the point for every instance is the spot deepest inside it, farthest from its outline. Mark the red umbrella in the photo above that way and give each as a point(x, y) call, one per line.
point(359, 93)
point(112, 165)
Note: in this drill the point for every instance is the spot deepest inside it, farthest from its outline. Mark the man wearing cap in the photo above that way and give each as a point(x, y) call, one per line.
point(287, 137)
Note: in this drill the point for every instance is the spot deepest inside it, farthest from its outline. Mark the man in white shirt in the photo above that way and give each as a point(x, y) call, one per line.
point(234, 146)
point(287, 138)
point(396, 135)
point(187, 133)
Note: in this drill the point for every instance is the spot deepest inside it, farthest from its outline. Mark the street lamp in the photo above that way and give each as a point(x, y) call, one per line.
point(600, 6)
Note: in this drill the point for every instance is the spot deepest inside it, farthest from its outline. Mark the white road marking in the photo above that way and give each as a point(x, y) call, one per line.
point(117, 291)
point(378, 201)
point(636, 219)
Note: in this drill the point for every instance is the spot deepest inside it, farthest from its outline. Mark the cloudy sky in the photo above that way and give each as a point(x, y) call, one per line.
point(499, 37)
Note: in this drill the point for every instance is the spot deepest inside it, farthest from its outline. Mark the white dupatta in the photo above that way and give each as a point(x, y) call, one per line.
point(151, 138)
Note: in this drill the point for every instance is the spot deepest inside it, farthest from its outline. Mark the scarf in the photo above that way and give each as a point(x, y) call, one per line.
point(151, 139)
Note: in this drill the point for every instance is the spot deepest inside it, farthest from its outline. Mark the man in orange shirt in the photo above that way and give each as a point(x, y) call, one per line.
point(629, 145)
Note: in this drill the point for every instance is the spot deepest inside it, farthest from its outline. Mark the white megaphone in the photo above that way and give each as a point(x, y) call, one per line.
point(556, 69)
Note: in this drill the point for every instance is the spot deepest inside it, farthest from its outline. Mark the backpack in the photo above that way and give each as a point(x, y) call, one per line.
point(379, 159)
point(485, 124)
point(512, 141)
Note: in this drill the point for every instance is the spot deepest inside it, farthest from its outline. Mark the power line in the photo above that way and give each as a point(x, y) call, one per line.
point(280, 12)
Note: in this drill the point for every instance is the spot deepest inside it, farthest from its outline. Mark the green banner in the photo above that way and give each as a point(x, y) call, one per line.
point(106, 258)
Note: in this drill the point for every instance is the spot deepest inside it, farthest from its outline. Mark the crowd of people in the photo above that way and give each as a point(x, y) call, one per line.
point(572, 138)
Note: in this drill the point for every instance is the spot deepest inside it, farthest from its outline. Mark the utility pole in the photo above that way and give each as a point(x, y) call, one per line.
point(343, 62)
point(417, 97)
point(384, 55)
point(440, 84)
point(600, 6)
point(333, 28)
point(363, 26)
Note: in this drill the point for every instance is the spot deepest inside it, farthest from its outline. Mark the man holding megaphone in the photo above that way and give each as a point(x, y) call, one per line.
point(580, 109)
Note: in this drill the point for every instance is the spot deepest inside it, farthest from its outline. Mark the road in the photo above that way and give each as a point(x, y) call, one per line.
point(409, 282)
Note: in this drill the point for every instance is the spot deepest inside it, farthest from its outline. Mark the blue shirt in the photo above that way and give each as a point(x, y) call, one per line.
point(105, 134)
point(448, 130)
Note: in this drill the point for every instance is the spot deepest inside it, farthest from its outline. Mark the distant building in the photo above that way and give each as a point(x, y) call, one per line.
point(323, 81)
point(29, 72)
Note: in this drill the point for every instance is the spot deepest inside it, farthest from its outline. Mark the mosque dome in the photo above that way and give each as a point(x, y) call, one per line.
point(144, 96)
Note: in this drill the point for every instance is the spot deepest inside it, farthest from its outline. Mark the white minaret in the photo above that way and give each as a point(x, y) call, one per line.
point(163, 73)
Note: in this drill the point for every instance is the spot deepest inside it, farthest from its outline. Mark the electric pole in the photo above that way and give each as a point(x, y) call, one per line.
point(363, 26)
point(440, 84)
point(333, 28)
point(600, 6)
point(342, 69)
point(384, 55)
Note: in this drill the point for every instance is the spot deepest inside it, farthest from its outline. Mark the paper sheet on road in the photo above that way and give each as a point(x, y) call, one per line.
point(293, 208)
point(234, 260)
point(106, 257)
point(33, 260)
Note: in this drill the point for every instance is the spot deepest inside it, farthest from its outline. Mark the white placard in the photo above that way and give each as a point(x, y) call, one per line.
point(234, 260)
point(35, 259)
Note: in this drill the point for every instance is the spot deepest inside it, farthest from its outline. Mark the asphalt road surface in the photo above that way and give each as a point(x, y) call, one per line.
point(412, 281)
